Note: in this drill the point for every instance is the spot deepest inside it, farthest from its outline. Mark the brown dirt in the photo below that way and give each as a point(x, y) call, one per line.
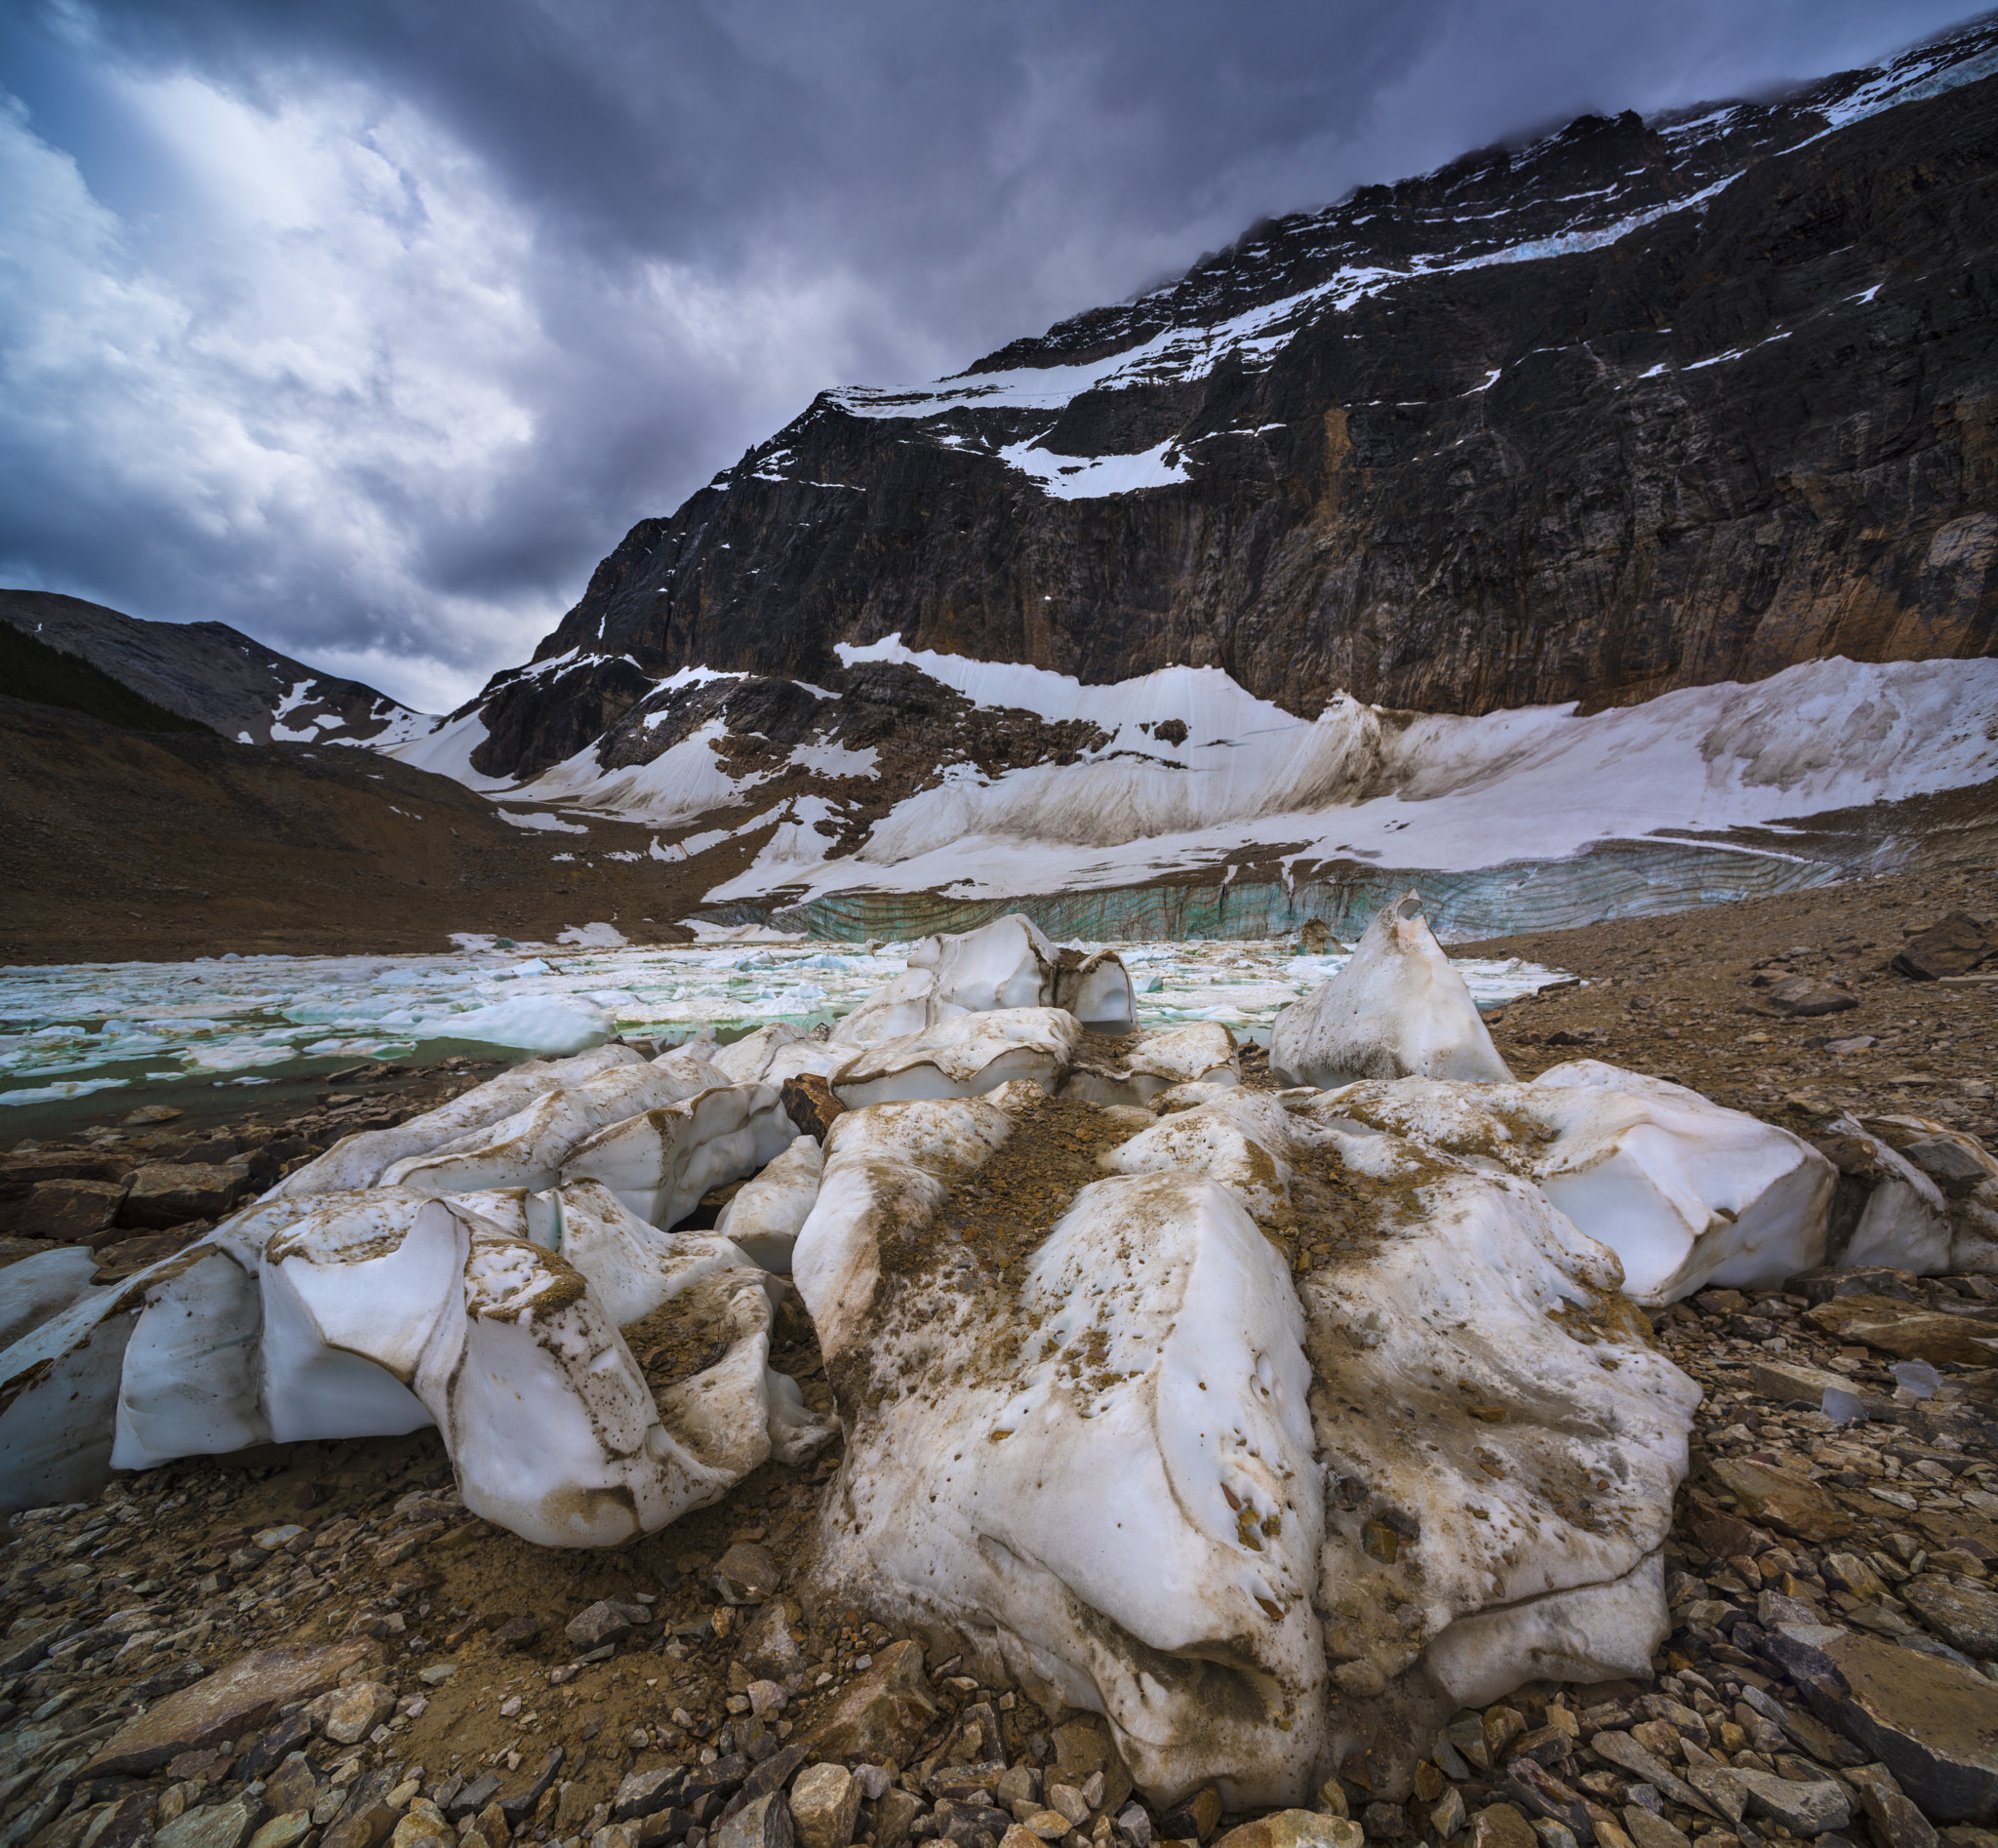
point(156, 847)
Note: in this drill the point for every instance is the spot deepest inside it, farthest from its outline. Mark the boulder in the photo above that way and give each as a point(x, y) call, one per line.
point(1792, 1503)
point(1806, 997)
point(1908, 1333)
point(809, 1104)
point(169, 1193)
point(1953, 945)
point(1933, 1724)
point(764, 1216)
point(234, 1701)
point(964, 1056)
point(68, 1211)
point(1396, 1010)
point(884, 1713)
point(1686, 1193)
point(1914, 1195)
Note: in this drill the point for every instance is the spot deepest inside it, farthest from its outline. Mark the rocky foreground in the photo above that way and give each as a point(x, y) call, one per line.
point(316, 1642)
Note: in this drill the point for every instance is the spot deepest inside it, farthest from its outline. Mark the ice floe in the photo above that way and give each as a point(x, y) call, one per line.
point(78, 1029)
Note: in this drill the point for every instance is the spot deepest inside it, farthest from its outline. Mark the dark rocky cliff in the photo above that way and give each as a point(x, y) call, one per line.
point(1640, 406)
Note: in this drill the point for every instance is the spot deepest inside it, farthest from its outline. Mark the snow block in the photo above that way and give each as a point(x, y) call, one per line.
point(359, 1160)
point(766, 1214)
point(1003, 965)
point(1686, 1193)
point(962, 1056)
point(660, 1162)
point(1396, 1010)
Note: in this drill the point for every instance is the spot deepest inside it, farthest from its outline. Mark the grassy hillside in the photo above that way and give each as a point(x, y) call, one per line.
point(30, 669)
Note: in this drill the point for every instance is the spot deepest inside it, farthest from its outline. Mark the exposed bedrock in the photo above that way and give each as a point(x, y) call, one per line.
point(1637, 407)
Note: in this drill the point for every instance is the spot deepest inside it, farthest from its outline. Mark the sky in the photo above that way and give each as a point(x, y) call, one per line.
point(369, 326)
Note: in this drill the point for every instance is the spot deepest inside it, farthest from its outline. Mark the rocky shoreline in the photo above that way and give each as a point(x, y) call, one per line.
point(316, 1644)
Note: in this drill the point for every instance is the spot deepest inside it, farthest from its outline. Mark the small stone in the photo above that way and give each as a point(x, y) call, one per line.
point(1792, 1503)
point(1197, 1817)
point(1330, 1799)
point(1070, 1801)
point(1502, 1725)
point(517, 1632)
point(1965, 1619)
point(1047, 1825)
point(422, 1823)
point(1294, 1828)
point(607, 1621)
point(1651, 1832)
point(230, 1704)
point(1804, 997)
point(1447, 1818)
point(292, 1786)
point(748, 1574)
point(766, 1697)
point(1803, 1809)
point(353, 1712)
point(826, 1802)
point(219, 1825)
point(1018, 1836)
point(1501, 1825)
point(1896, 1822)
point(1385, 1821)
point(765, 1823)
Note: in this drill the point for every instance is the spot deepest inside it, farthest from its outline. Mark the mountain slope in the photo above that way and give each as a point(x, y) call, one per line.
point(214, 674)
point(1333, 567)
point(1639, 406)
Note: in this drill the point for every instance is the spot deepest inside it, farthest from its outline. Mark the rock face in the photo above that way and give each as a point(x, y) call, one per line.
point(1612, 413)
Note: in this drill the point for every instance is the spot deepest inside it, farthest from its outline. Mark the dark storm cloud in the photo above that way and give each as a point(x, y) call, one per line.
point(370, 327)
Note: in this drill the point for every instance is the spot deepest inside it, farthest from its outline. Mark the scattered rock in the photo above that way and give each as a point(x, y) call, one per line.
point(607, 1621)
point(748, 1574)
point(1792, 1503)
point(220, 1825)
point(165, 1194)
point(1806, 997)
point(1933, 1724)
point(884, 1713)
point(228, 1704)
point(809, 1104)
point(825, 1801)
point(1952, 947)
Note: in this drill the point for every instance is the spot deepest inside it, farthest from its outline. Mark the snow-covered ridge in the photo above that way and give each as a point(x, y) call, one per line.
point(1194, 773)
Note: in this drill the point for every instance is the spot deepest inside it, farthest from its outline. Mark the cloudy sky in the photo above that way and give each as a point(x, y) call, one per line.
point(370, 325)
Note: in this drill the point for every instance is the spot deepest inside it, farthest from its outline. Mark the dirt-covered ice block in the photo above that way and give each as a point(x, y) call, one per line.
point(1201, 1052)
point(1006, 964)
point(1396, 1010)
point(526, 1149)
point(1913, 1193)
point(1096, 1475)
point(1500, 1443)
point(661, 1161)
point(1686, 1193)
point(962, 1056)
point(768, 1212)
point(34, 1289)
point(776, 1052)
point(361, 1159)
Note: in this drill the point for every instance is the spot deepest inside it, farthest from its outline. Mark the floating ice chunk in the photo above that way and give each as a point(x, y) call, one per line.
point(536, 1024)
point(41, 1287)
point(1686, 1193)
point(768, 1212)
point(961, 1057)
point(1006, 964)
point(659, 1163)
point(526, 1150)
point(1396, 1010)
point(358, 1160)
